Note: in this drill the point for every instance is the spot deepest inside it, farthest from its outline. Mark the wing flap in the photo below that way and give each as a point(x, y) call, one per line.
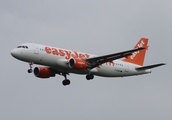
point(149, 66)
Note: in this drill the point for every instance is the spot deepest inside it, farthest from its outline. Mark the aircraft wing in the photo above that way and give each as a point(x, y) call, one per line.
point(96, 61)
point(149, 66)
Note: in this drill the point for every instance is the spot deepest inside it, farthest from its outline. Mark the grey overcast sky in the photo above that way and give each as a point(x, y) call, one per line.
point(93, 26)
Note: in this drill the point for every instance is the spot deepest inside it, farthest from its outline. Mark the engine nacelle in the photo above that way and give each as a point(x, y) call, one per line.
point(78, 64)
point(43, 72)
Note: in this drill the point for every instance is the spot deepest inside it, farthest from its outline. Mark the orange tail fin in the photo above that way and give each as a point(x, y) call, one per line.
point(138, 56)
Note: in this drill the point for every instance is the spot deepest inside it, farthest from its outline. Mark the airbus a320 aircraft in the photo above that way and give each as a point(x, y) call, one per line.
point(62, 61)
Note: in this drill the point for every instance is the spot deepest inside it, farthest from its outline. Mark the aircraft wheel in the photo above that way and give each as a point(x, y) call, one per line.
point(66, 82)
point(89, 76)
point(29, 71)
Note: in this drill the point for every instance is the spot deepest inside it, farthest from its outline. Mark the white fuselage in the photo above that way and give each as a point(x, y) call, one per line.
point(58, 58)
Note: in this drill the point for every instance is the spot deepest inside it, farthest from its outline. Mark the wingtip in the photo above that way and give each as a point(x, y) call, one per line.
point(163, 64)
point(140, 48)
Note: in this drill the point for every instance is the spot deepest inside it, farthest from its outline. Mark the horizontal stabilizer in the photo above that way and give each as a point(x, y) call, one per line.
point(150, 66)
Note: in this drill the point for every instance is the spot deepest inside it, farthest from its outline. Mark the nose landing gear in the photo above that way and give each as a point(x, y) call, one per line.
point(30, 65)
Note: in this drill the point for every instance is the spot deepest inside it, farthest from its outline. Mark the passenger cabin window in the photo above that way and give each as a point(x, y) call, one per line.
point(26, 47)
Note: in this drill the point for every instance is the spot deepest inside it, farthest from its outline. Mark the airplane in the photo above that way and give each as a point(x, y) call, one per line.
point(62, 61)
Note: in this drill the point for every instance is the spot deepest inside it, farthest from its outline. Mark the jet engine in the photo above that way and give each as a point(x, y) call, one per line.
point(43, 72)
point(78, 64)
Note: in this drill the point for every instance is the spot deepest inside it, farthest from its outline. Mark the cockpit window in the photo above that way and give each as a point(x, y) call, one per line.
point(26, 47)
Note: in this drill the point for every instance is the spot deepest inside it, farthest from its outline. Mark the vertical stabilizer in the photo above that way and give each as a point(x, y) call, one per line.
point(138, 56)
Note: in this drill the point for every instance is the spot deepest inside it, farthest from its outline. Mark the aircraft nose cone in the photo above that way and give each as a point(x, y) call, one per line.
point(15, 53)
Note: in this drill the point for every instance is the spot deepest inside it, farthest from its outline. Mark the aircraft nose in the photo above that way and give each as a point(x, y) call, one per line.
point(15, 53)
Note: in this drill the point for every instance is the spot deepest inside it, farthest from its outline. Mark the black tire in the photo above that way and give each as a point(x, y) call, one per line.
point(29, 71)
point(91, 76)
point(88, 77)
point(66, 82)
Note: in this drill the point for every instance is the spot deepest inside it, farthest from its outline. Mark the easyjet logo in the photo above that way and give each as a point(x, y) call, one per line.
point(66, 53)
point(141, 44)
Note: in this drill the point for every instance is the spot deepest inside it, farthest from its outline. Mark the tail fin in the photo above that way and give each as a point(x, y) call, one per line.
point(138, 56)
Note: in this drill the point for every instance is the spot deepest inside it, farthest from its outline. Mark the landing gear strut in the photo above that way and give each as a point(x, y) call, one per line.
point(65, 81)
point(30, 65)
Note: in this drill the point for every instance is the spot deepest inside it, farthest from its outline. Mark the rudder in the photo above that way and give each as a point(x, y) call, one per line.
point(138, 56)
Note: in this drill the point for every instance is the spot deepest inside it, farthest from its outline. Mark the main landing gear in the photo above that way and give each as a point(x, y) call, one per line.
point(30, 65)
point(65, 81)
point(89, 76)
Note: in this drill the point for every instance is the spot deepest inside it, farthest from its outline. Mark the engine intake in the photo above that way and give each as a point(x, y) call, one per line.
point(78, 64)
point(43, 72)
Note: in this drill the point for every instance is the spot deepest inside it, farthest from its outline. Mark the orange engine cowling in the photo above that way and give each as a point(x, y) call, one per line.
point(78, 64)
point(43, 72)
